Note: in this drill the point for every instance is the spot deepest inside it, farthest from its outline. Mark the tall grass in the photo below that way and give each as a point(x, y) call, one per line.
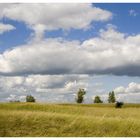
point(34, 119)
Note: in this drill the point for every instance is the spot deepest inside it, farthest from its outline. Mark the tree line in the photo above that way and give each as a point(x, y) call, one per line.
point(97, 99)
point(80, 98)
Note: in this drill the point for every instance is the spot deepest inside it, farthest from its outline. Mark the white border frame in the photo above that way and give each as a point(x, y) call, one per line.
point(69, 1)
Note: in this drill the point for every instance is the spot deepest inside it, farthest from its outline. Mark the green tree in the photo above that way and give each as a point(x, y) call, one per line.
point(80, 95)
point(111, 97)
point(30, 98)
point(97, 99)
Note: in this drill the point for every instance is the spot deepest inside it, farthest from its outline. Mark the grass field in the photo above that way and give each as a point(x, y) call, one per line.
point(58, 120)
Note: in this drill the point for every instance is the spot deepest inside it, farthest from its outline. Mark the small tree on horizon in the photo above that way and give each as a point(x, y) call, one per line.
point(30, 98)
point(80, 95)
point(111, 97)
point(97, 99)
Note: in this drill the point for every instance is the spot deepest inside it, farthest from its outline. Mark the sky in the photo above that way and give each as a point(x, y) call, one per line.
point(54, 49)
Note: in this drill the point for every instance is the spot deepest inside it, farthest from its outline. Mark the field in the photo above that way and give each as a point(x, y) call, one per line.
point(59, 120)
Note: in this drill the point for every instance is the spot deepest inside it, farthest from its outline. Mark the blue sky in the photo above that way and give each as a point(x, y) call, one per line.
point(121, 19)
point(15, 37)
point(125, 23)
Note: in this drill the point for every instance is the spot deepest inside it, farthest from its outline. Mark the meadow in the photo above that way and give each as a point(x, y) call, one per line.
point(69, 120)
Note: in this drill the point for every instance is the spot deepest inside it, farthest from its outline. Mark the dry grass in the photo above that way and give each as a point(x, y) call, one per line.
point(33, 119)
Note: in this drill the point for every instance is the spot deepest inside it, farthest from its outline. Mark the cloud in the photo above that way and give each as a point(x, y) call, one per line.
point(129, 94)
point(132, 88)
point(6, 27)
point(43, 87)
point(114, 53)
point(13, 97)
point(54, 16)
point(133, 13)
point(111, 52)
point(120, 89)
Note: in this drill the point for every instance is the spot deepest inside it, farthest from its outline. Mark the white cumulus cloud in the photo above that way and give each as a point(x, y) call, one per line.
point(6, 28)
point(47, 88)
point(41, 17)
point(111, 52)
point(129, 94)
point(131, 88)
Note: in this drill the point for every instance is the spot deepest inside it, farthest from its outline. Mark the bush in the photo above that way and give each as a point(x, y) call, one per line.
point(119, 104)
point(30, 98)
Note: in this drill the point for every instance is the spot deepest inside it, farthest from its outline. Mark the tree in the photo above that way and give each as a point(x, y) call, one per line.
point(80, 95)
point(97, 99)
point(111, 97)
point(119, 104)
point(30, 98)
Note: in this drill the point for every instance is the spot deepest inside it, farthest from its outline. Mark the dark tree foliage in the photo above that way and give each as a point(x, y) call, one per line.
point(80, 95)
point(111, 98)
point(30, 98)
point(97, 99)
point(119, 104)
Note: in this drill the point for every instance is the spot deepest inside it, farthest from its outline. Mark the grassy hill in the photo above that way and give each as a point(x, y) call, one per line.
point(34, 119)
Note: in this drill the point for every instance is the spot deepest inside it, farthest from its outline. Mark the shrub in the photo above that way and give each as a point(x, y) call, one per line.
point(119, 104)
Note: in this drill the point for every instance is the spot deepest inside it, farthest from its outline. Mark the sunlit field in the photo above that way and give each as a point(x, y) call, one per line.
point(58, 120)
